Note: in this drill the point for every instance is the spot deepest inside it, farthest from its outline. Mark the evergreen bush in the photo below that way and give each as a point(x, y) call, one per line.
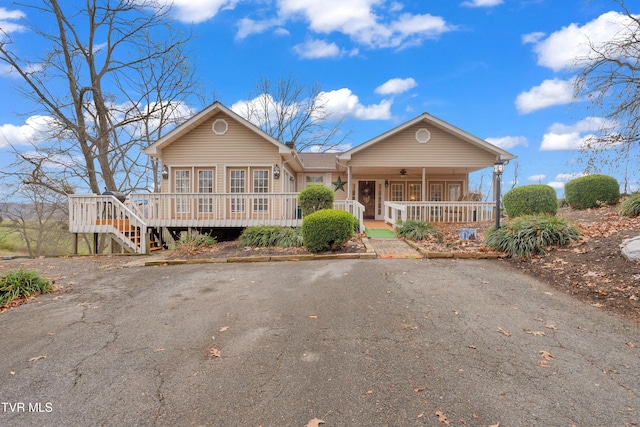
point(591, 191)
point(631, 206)
point(327, 229)
point(530, 200)
point(417, 230)
point(315, 198)
point(528, 235)
point(271, 235)
point(23, 283)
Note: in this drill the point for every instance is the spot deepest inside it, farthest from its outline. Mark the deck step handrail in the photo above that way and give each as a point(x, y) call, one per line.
point(106, 214)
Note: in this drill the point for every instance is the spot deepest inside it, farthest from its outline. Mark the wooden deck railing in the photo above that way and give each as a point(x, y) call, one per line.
point(105, 214)
point(453, 212)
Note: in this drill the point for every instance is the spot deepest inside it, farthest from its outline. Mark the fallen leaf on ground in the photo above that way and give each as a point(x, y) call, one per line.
point(630, 344)
point(214, 352)
point(545, 354)
point(442, 418)
point(33, 359)
point(495, 425)
point(534, 333)
point(224, 328)
point(314, 423)
point(504, 332)
point(549, 326)
point(157, 350)
point(417, 389)
point(312, 317)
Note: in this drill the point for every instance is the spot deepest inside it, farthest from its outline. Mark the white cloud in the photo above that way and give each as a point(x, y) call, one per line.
point(548, 93)
point(358, 20)
point(566, 177)
point(314, 49)
point(396, 86)
point(343, 103)
point(482, 3)
point(573, 137)
point(197, 11)
point(507, 142)
point(7, 24)
point(557, 185)
point(31, 132)
point(537, 178)
point(563, 48)
point(533, 37)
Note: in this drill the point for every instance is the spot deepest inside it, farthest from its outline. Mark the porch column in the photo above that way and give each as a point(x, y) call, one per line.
point(424, 184)
point(348, 182)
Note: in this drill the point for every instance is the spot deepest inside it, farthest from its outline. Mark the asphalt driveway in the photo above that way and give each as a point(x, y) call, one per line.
point(352, 342)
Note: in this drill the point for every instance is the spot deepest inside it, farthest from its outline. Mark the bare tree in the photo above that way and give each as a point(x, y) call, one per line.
point(292, 112)
point(37, 213)
point(111, 75)
point(609, 78)
point(516, 175)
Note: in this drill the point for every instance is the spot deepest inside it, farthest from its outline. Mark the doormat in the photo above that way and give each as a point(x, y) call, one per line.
point(380, 233)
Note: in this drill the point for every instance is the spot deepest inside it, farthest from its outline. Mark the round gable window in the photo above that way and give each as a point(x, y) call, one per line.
point(423, 136)
point(220, 127)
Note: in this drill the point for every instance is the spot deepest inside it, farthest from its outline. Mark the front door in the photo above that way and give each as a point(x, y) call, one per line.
point(367, 196)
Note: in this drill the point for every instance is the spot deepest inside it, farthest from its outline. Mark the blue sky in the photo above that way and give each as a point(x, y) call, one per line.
point(499, 69)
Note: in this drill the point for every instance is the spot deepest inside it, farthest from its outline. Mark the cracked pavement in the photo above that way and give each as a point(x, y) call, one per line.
point(351, 342)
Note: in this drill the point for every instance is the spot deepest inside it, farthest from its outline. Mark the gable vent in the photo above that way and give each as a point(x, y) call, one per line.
point(220, 127)
point(423, 136)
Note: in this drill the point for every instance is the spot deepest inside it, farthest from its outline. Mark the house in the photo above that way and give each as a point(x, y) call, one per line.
point(221, 171)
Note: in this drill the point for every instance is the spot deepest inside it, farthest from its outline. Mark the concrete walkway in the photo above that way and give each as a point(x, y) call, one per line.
point(393, 248)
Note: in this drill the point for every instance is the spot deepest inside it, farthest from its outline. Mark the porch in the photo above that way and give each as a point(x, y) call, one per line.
point(133, 222)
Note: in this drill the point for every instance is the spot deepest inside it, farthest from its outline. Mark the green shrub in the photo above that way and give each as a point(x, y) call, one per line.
point(195, 240)
point(528, 235)
point(22, 283)
point(271, 235)
point(530, 200)
point(315, 198)
point(631, 206)
point(326, 229)
point(591, 191)
point(417, 230)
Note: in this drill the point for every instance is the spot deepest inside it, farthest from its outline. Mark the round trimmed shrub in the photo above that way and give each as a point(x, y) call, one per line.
point(327, 229)
point(530, 200)
point(591, 191)
point(315, 198)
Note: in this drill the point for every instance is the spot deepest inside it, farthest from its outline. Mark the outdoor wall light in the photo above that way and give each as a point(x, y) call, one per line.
point(403, 172)
point(165, 172)
point(386, 183)
point(276, 172)
point(498, 169)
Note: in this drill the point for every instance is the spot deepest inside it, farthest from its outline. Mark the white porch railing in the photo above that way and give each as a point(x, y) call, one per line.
point(105, 214)
point(354, 208)
point(455, 212)
point(89, 212)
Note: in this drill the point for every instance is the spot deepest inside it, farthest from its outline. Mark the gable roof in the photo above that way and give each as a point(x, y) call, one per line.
point(447, 127)
point(318, 160)
point(155, 149)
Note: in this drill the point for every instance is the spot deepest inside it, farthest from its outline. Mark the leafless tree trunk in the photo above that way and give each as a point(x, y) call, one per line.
point(516, 175)
point(111, 79)
point(291, 112)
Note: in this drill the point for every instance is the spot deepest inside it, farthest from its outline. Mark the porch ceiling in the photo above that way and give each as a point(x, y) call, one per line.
point(412, 172)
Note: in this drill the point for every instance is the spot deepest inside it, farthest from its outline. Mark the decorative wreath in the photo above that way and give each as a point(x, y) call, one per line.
point(365, 190)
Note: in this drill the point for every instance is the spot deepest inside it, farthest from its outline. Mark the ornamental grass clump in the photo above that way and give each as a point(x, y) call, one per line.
point(193, 243)
point(23, 284)
point(528, 235)
point(631, 206)
point(417, 230)
point(271, 235)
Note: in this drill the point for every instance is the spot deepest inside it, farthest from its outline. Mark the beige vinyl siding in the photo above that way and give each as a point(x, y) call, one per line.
point(442, 150)
point(238, 147)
